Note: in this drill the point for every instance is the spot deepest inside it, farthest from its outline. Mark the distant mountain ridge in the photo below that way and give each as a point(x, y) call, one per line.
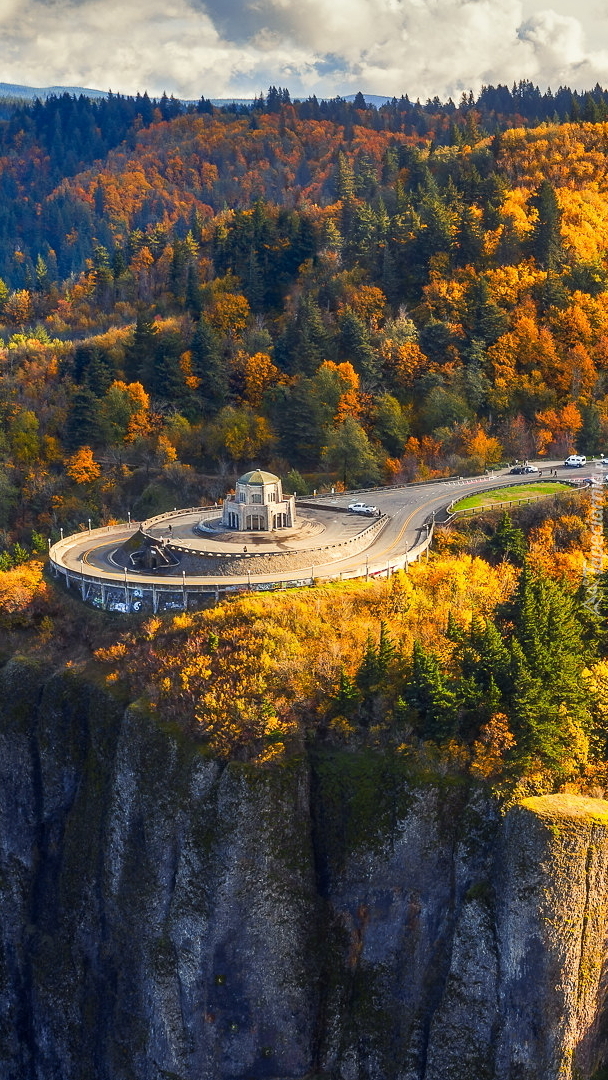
point(17, 90)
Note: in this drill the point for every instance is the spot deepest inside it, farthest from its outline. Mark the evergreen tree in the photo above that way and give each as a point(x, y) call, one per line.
point(509, 542)
point(194, 295)
point(209, 366)
point(550, 704)
point(369, 671)
point(589, 438)
point(119, 263)
point(469, 243)
point(437, 340)
point(454, 631)
point(347, 698)
point(303, 345)
point(102, 276)
point(42, 275)
point(346, 194)
point(430, 696)
point(83, 427)
point(138, 354)
point(298, 417)
point(390, 281)
point(546, 238)
point(355, 346)
point(483, 320)
point(100, 373)
point(551, 293)
point(435, 233)
point(484, 656)
point(163, 377)
point(178, 271)
point(294, 481)
point(386, 651)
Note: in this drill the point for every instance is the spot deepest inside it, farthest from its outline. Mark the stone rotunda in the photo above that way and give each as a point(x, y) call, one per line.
point(259, 504)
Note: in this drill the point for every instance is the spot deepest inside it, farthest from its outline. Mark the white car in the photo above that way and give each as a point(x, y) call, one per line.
point(576, 461)
point(362, 508)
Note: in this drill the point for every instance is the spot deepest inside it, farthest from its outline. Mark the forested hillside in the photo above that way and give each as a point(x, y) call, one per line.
point(348, 295)
point(230, 832)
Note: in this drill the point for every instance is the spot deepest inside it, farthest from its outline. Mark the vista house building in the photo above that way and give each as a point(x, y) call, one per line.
point(259, 504)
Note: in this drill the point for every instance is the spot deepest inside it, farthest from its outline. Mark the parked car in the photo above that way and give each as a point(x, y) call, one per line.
point(576, 461)
point(362, 508)
point(521, 469)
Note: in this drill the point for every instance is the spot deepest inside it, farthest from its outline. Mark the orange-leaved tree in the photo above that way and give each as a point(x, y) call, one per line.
point(81, 466)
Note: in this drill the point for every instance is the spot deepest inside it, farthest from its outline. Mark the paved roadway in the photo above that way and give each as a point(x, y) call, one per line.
point(408, 510)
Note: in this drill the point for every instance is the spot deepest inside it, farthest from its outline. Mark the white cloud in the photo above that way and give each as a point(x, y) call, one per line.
point(225, 47)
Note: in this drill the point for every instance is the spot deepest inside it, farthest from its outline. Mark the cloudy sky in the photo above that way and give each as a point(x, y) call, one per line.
point(221, 48)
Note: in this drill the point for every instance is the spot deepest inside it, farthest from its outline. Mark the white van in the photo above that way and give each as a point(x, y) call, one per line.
point(576, 461)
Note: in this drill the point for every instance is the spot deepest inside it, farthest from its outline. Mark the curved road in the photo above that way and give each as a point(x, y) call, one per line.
point(408, 509)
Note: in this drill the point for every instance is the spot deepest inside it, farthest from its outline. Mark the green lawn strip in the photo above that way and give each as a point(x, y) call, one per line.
point(509, 494)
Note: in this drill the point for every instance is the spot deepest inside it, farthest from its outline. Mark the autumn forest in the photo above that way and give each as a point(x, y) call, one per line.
point(349, 296)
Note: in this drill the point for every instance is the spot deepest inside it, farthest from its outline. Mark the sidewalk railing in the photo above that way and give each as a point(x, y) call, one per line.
point(140, 590)
point(136, 593)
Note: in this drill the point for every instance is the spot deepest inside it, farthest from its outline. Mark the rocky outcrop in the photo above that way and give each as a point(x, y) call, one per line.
point(165, 917)
point(552, 928)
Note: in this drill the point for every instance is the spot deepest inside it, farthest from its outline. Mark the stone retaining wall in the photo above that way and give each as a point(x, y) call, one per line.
point(194, 560)
point(136, 594)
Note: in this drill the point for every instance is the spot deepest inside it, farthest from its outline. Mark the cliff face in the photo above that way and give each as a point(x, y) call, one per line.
point(166, 918)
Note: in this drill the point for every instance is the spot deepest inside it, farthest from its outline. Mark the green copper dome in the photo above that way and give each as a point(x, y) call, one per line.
point(258, 476)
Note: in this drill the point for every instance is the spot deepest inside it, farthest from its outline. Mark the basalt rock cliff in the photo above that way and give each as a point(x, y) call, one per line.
point(166, 917)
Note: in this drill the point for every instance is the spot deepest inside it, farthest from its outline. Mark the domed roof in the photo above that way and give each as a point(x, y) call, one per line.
point(258, 476)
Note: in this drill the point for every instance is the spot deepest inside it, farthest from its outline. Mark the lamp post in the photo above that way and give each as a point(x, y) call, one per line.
point(428, 533)
point(89, 524)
